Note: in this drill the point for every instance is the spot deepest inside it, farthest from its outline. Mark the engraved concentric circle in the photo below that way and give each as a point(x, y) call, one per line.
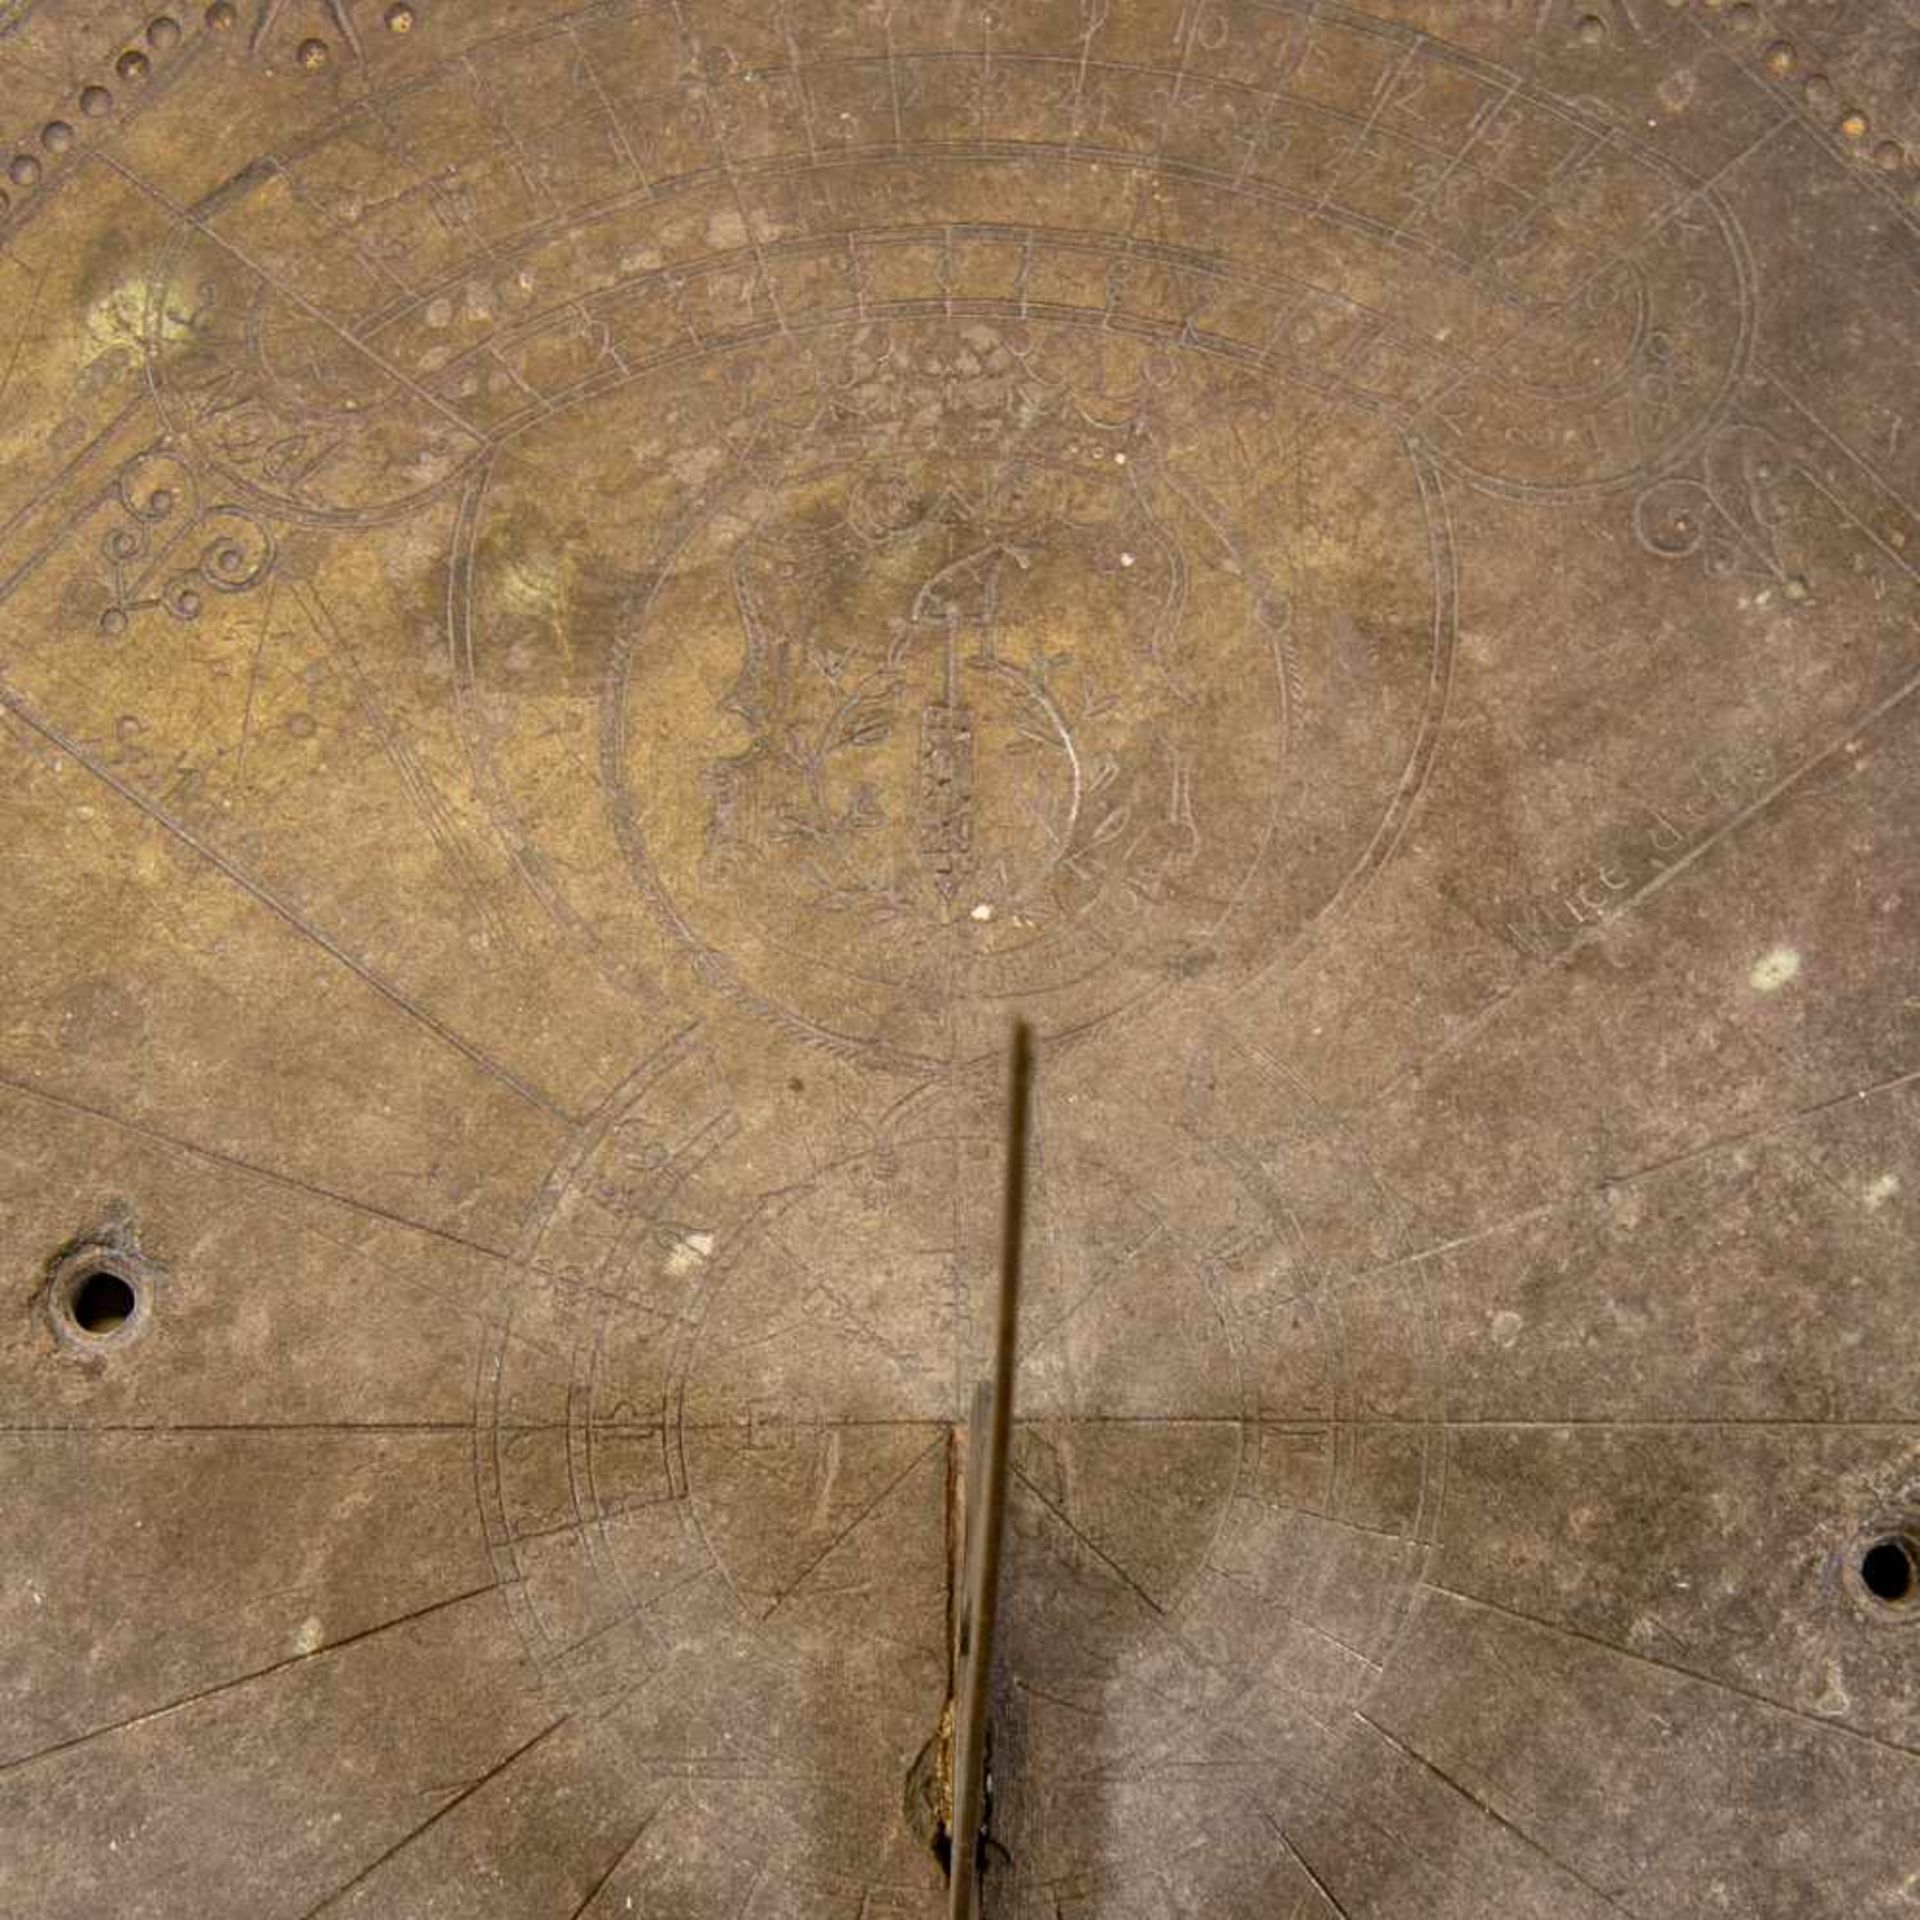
point(988, 663)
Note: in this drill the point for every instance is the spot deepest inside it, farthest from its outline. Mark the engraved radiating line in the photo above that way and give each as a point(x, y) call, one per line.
point(1117, 1271)
point(797, 67)
point(1787, 92)
point(1477, 127)
point(849, 1313)
point(525, 1269)
point(1106, 1559)
point(1859, 459)
point(1496, 1816)
point(151, 1714)
point(407, 1839)
point(505, 140)
point(262, 895)
point(1325, 1892)
point(616, 126)
point(1692, 1674)
point(345, 233)
point(1340, 1520)
point(253, 680)
point(899, 1480)
point(1264, 1766)
point(626, 1853)
point(1695, 192)
point(34, 502)
point(1652, 1169)
point(569, 1651)
point(1384, 92)
point(1268, 1600)
point(763, 280)
point(441, 825)
point(26, 323)
point(189, 217)
point(425, 176)
point(1471, 1029)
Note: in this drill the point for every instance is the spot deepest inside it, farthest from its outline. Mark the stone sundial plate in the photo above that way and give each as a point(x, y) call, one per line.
point(593, 600)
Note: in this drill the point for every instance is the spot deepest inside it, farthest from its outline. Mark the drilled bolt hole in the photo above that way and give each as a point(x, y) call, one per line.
point(101, 1297)
point(1890, 1570)
point(102, 1303)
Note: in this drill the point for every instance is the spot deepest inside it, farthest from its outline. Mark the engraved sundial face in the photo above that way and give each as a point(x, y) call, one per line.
point(594, 599)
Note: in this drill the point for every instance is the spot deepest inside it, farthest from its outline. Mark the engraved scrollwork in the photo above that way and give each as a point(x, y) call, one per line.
point(1736, 517)
point(171, 550)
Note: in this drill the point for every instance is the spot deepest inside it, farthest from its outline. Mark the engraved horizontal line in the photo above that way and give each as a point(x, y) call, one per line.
point(745, 1424)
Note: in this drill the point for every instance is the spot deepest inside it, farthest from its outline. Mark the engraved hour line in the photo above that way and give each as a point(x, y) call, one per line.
point(506, 141)
point(439, 1813)
point(52, 486)
point(616, 127)
point(245, 1679)
point(1106, 1560)
point(1788, 94)
point(1472, 1029)
point(419, 787)
point(1866, 466)
point(377, 106)
point(1118, 1270)
point(1384, 90)
point(906, 1473)
point(26, 326)
point(646, 1826)
point(16, 705)
point(189, 217)
point(1320, 1887)
point(1692, 1675)
point(1495, 1815)
point(344, 232)
point(1556, 1203)
point(1484, 117)
point(548, 1279)
point(1353, 1810)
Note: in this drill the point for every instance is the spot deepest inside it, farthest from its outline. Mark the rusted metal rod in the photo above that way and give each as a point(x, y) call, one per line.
point(986, 1496)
